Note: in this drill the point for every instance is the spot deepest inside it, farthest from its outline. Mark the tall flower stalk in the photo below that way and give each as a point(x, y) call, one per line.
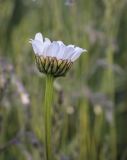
point(47, 115)
point(53, 59)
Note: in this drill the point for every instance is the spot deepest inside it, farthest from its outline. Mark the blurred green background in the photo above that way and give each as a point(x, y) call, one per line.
point(90, 103)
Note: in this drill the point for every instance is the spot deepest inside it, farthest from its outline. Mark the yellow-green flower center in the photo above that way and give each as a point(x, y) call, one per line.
point(50, 65)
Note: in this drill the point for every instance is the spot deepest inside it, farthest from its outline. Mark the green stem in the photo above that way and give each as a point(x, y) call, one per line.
point(47, 115)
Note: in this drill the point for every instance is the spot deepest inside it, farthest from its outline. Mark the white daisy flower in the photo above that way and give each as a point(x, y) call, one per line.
point(54, 57)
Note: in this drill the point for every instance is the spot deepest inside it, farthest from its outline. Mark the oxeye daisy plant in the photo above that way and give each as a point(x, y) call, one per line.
point(54, 59)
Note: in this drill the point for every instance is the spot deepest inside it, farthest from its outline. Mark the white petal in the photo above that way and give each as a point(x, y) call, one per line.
point(46, 44)
point(47, 40)
point(69, 51)
point(78, 52)
point(71, 45)
point(53, 49)
point(37, 47)
point(61, 51)
point(39, 37)
point(60, 42)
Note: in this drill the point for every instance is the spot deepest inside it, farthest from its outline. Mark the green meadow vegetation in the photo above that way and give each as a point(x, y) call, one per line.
point(89, 113)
